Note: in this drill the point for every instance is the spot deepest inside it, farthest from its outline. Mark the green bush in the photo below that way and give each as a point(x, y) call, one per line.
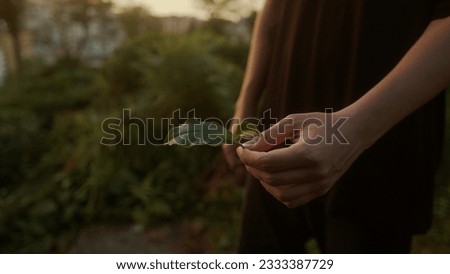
point(55, 175)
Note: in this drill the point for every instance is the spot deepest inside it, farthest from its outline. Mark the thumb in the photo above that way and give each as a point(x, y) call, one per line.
point(273, 136)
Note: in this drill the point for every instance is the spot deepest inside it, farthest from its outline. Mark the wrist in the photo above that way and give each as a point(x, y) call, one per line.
point(361, 128)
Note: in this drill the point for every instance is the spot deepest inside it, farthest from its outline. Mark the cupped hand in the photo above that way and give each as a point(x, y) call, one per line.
point(320, 149)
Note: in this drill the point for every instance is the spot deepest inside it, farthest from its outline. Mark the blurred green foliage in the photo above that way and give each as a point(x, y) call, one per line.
point(56, 177)
point(437, 240)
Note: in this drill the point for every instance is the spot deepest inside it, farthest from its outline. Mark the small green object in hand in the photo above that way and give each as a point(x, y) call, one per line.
point(195, 132)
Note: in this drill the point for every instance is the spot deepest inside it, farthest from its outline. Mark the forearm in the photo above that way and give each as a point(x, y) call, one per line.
point(258, 61)
point(422, 73)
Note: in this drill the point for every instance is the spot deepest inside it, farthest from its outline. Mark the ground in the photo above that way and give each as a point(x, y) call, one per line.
point(113, 239)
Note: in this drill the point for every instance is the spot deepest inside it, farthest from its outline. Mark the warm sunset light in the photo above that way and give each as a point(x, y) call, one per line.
point(166, 7)
point(176, 7)
point(227, 136)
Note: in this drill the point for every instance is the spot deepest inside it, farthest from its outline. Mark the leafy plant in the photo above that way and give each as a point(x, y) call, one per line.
point(51, 127)
point(195, 132)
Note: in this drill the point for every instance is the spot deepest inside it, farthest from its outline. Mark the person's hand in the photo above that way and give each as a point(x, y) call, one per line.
point(323, 146)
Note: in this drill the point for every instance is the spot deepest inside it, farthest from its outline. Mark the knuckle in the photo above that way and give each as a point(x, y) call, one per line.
point(270, 180)
point(283, 197)
point(323, 190)
point(310, 157)
point(322, 171)
point(278, 194)
point(290, 205)
point(289, 117)
point(264, 163)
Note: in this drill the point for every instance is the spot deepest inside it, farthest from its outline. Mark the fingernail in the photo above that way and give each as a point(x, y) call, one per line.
point(251, 142)
point(239, 150)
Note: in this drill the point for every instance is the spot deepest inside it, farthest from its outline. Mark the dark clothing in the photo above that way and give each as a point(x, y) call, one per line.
point(283, 230)
point(327, 54)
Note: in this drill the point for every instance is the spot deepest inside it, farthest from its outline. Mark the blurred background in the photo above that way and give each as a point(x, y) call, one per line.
point(67, 65)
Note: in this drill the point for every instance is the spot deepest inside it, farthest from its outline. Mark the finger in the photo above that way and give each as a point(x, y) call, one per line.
point(276, 160)
point(273, 136)
point(293, 192)
point(288, 177)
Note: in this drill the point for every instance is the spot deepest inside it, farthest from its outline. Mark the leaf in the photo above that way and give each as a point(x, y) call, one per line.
point(247, 130)
point(194, 132)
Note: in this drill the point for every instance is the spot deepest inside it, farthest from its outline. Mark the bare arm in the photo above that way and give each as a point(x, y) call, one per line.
point(422, 73)
point(302, 172)
point(256, 72)
point(258, 61)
